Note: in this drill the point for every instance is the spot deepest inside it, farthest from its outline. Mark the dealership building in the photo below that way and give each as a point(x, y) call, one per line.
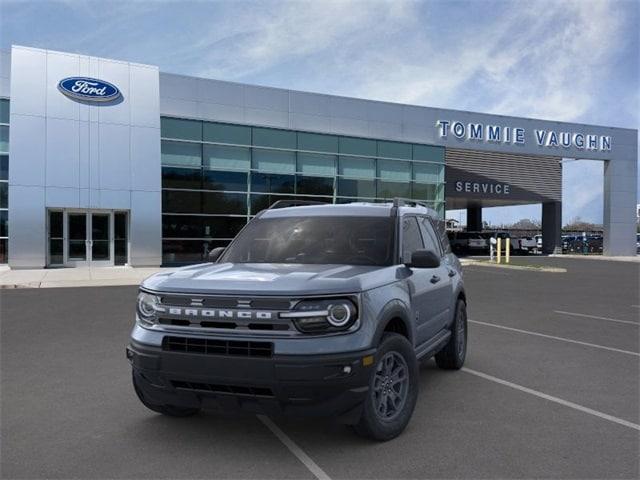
point(106, 162)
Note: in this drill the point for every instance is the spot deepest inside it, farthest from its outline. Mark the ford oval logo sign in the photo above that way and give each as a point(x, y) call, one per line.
point(89, 89)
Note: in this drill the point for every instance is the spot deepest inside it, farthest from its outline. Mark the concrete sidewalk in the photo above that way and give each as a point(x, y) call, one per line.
point(74, 277)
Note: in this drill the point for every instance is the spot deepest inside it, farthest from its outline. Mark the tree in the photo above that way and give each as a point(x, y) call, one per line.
point(526, 224)
point(576, 224)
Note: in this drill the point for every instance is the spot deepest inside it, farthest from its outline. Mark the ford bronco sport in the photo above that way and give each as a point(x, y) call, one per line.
point(316, 309)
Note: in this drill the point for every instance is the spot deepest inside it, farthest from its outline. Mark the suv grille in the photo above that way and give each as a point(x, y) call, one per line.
point(258, 303)
point(217, 347)
point(230, 389)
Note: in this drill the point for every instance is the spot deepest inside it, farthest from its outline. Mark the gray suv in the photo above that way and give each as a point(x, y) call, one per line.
point(312, 310)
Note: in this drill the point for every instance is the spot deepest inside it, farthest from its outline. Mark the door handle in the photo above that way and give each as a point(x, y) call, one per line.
point(435, 279)
point(452, 273)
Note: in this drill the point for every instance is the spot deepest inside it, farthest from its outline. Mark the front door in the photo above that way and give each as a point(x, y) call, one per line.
point(77, 226)
point(81, 238)
point(100, 239)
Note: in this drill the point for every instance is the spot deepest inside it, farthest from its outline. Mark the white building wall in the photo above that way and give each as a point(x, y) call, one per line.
point(71, 154)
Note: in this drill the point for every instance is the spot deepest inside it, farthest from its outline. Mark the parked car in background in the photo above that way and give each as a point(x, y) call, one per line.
point(529, 245)
point(582, 244)
point(538, 248)
point(477, 243)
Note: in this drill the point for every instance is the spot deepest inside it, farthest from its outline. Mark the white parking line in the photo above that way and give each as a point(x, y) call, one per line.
point(609, 319)
point(295, 449)
point(551, 398)
point(563, 339)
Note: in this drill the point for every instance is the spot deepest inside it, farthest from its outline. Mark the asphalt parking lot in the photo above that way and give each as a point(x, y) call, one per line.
point(550, 389)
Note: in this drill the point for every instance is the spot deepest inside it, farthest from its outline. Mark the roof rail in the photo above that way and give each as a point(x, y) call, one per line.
point(401, 202)
point(294, 203)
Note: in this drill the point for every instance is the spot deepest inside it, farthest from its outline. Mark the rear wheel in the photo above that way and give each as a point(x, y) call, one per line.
point(169, 410)
point(393, 390)
point(452, 356)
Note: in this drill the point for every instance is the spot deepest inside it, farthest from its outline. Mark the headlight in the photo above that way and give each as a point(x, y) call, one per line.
point(323, 315)
point(146, 307)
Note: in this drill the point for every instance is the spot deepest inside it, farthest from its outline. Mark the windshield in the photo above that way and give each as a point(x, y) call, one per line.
point(331, 240)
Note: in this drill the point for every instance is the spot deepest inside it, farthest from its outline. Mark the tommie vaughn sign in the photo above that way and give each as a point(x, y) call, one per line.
point(88, 89)
point(517, 135)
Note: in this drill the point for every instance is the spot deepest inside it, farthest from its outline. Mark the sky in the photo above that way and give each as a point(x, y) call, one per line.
point(574, 61)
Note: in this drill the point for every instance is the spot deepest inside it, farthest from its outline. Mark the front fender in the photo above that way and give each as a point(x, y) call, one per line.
point(392, 310)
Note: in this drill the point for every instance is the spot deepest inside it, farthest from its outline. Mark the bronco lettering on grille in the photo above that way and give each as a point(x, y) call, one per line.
point(216, 313)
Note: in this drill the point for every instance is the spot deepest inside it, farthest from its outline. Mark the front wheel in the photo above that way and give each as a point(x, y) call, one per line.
point(393, 390)
point(452, 356)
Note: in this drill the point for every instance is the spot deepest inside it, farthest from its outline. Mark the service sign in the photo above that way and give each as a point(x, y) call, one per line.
point(88, 89)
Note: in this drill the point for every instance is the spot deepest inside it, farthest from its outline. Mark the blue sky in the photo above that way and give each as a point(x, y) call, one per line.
point(562, 60)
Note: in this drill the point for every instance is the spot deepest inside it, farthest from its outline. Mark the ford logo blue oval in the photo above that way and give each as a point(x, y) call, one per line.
point(89, 89)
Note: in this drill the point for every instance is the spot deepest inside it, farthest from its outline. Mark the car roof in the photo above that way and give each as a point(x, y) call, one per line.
point(354, 209)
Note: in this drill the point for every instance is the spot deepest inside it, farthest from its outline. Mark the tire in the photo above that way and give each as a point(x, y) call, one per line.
point(394, 354)
point(452, 356)
point(168, 410)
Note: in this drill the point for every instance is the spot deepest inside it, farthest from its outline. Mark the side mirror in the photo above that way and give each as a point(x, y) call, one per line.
point(215, 254)
point(424, 259)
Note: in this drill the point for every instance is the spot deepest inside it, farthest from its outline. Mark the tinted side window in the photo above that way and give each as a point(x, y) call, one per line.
point(411, 239)
point(441, 230)
point(431, 241)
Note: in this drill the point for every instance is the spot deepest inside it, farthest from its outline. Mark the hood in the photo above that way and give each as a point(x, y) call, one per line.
point(270, 279)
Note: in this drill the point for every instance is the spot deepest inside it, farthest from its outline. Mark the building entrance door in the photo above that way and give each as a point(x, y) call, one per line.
point(83, 238)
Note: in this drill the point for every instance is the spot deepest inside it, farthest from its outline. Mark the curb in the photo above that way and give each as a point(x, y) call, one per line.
point(71, 284)
point(475, 263)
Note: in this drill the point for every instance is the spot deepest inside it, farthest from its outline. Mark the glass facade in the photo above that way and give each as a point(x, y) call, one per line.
point(4, 180)
point(216, 176)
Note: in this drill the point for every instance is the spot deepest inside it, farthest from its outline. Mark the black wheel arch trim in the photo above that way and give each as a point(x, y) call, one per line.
point(392, 310)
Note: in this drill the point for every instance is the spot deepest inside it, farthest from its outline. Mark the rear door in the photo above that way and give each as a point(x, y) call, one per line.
point(442, 293)
point(422, 283)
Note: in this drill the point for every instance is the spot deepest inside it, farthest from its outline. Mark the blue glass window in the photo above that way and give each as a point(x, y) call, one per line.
point(218, 202)
point(227, 158)
point(356, 188)
point(428, 153)
point(4, 139)
point(218, 180)
point(394, 170)
point(224, 133)
point(180, 153)
point(4, 167)
point(173, 177)
point(317, 164)
point(271, 137)
point(314, 185)
point(394, 150)
point(274, 161)
point(180, 129)
point(317, 143)
point(357, 167)
point(358, 146)
point(4, 111)
point(428, 172)
point(272, 183)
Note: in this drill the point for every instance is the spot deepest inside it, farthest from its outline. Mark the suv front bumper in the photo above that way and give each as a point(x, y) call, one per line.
point(324, 385)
